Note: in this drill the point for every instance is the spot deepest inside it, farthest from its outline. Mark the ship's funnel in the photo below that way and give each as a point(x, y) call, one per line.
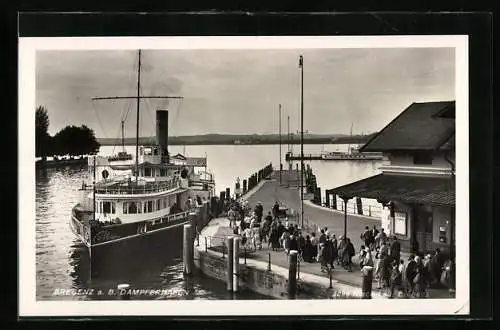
point(162, 133)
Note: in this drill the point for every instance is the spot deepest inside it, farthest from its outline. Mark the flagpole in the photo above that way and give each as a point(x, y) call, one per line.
point(301, 65)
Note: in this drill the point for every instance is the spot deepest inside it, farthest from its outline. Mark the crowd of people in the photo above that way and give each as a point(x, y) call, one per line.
point(379, 254)
point(410, 279)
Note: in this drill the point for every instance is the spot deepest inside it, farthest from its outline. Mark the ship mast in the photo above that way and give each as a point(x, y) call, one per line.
point(138, 98)
point(350, 137)
point(137, 123)
point(123, 137)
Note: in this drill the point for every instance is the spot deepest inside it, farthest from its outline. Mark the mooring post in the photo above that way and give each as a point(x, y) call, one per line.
point(229, 268)
point(187, 249)
point(123, 290)
point(236, 263)
point(292, 275)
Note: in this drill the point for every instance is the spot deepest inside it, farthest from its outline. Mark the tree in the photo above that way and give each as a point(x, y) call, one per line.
point(73, 141)
point(42, 137)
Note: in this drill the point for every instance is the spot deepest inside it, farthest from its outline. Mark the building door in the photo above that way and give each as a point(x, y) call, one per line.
point(424, 228)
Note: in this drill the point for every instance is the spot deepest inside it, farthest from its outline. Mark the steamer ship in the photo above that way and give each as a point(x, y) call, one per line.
point(142, 201)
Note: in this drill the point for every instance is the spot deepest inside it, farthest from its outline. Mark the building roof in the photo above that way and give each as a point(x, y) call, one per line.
point(420, 127)
point(403, 188)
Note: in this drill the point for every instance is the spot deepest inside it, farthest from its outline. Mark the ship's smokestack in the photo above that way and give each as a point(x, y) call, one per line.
point(162, 133)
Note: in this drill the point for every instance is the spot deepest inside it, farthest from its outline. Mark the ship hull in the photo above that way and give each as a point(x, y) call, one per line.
point(131, 252)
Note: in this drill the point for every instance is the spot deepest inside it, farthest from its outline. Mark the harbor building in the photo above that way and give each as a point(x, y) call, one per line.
point(417, 188)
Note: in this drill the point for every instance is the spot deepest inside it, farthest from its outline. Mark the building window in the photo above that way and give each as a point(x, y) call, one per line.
point(158, 204)
point(147, 172)
point(400, 223)
point(163, 172)
point(422, 159)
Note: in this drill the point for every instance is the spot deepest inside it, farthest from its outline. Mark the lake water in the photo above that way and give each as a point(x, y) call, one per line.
point(63, 264)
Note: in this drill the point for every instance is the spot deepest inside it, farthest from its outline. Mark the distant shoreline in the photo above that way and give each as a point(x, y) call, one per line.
point(216, 139)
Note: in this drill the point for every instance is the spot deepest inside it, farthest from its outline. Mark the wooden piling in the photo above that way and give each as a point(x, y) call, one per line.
point(187, 249)
point(236, 263)
point(229, 268)
point(292, 275)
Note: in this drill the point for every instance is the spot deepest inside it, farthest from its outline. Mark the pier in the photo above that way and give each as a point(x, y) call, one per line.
point(266, 271)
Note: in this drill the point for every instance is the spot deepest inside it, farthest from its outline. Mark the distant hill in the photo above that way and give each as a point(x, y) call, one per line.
point(227, 139)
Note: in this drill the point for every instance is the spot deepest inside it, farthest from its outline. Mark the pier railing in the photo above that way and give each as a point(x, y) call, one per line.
point(366, 209)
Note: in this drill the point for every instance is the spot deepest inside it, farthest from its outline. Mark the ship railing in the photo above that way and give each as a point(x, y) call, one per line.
point(121, 190)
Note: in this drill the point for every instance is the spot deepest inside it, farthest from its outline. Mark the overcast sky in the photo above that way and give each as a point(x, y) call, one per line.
point(238, 92)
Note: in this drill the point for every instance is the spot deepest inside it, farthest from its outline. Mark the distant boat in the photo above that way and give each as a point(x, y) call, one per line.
point(352, 154)
point(122, 155)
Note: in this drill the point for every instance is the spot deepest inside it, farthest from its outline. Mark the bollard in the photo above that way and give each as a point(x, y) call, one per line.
point(123, 291)
point(187, 249)
point(229, 268)
point(236, 263)
point(269, 263)
point(292, 275)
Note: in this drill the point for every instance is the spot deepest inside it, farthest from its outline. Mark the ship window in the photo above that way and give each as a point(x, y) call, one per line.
point(163, 172)
point(165, 202)
point(107, 207)
point(131, 208)
point(158, 204)
point(147, 151)
point(148, 206)
point(155, 151)
point(147, 171)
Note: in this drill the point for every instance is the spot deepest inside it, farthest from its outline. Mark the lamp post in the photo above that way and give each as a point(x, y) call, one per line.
point(301, 66)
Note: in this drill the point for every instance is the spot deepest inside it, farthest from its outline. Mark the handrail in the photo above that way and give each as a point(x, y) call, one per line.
point(138, 190)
